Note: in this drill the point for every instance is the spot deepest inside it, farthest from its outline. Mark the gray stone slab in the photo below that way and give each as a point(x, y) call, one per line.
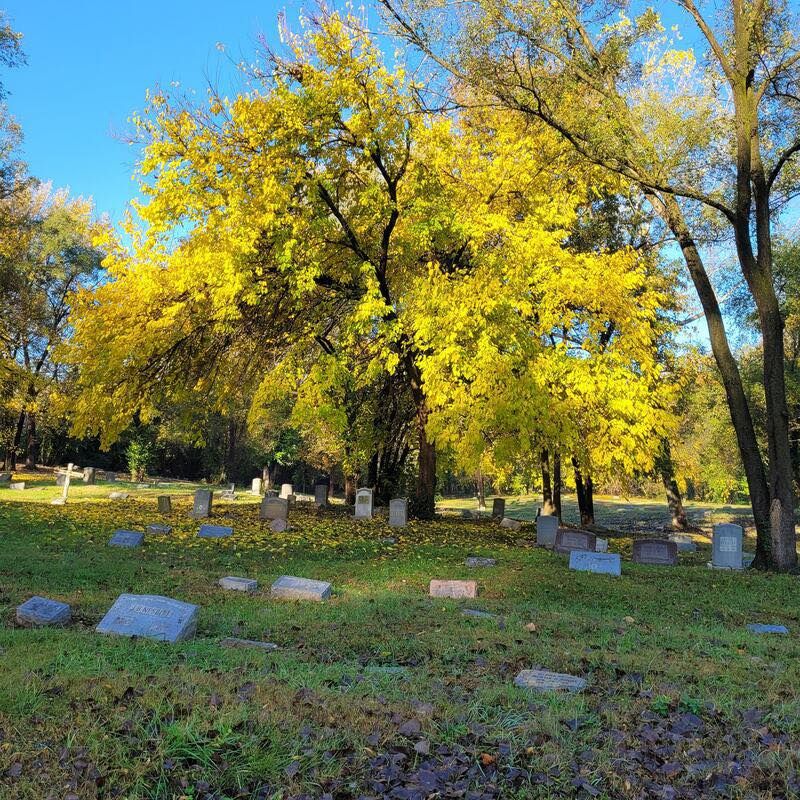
point(398, 512)
point(511, 524)
point(233, 642)
point(453, 589)
point(90, 475)
point(684, 542)
point(601, 563)
point(203, 501)
point(43, 611)
point(150, 616)
point(364, 502)
point(274, 508)
point(546, 530)
point(118, 496)
point(541, 680)
point(238, 584)
point(159, 530)
point(758, 627)
point(126, 539)
point(480, 561)
point(600, 545)
point(164, 504)
point(5, 477)
point(657, 552)
point(498, 508)
point(288, 587)
point(111, 477)
point(726, 546)
point(568, 540)
point(18, 486)
point(279, 525)
point(214, 531)
point(474, 612)
point(321, 494)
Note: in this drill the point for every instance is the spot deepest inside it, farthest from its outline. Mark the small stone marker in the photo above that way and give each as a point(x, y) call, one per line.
point(286, 490)
point(274, 508)
point(684, 542)
point(601, 563)
point(546, 530)
point(151, 616)
point(118, 496)
point(43, 611)
point(726, 546)
point(90, 475)
point(5, 477)
point(498, 508)
point(232, 641)
point(568, 540)
point(203, 499)
point(398, 512)
point(238, 584)
point(164, 504)
point(321, 495)
point(279, 525)
point(453, 589)
point(18, 486)
point(543, 681)
point(601, 545)
point(364, 504)
point(474, 612)
point(480, 561)
point(126, 539)
point(255, 487)
point(158, 529)
point(60, 479)
point(111, 477)
point(758, 627)
point(292, 500)
point(214, 531)
point(655, 551)
point(511, 524)
point(229, 493)
point(287, 587)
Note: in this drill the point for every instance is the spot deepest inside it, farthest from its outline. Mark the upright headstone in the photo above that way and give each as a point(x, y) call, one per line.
point(279, 525)
point(498, 508)
point(286, 490)
point(601, 563)
point(126, 539)
point(398, 512)
point(287, 587)
point(453, 589)
point(90, 475)
point(321, 495)
point(164, 504)
point(255, 487)
point(5, 477)
point(43, 611)
point(364, 503)
point(660, 552)
point(726, 546)
point(203, 498)
point(151, 616)
point(684, 542)
point(546, 530)
point(601, 545)
point(568, 540)
point(214, 531)
point(274, 508)
point(60, 501)
point(111, 477)
point(229, 493)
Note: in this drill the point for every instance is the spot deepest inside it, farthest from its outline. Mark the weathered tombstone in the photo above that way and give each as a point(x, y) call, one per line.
point(255, 487)
point(111, 477)
point(758, 627)
point(726, 546)
point(274, 508)
point(511, 524)
point(364, 504)
point(568, 540)
point(5, 477)
point(601, 545)
point(453, 589)
point(126, 539)
point(498, 508)
point(159, 530)
point(321, 495)
point(238, 584)
point(655, 551)
point(544, 681)
point(684, 542)
point(279, 525)
point(151, 616)
point(475, 612)
point(286, 490)
point(479, 561)
point(203, 498)
point(546, 530)
point(231, 641)
point(398, 512)
point(164, 504)
point(61, 479)
point(287, 587)
point(601, 563)
point(228, 494)
point(90, 475)
point(43, 611)
point(18, 486)
point(118, 496)
point(60, 501)
point(214, 531)
point(292, 500)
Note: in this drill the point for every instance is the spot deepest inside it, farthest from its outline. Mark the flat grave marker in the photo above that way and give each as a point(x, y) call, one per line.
point(150, 616)
point(126, 539)
point(568, 540)
point(43, 611)
point(542, 680)
point(758, 627)
point(546, 530)
point(233, 642)
point(157, 529)
point(726, 546)
point(18, 486)
point(214, 531)
point(511, 524)
point(398, 512)
point(238, 584)
point(600, 563)
point(658, 552)
point(480, 561)
point(453, 589)
point(118, 496)
point(288, 587)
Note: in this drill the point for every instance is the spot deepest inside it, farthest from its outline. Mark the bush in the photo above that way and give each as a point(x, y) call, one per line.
point(139, 456)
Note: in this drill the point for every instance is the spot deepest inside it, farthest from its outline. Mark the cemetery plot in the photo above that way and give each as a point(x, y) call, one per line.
point(398, 513)
point(363, 504)
point(238, 584)
point(288, 587)
point(150, 616)
point(543, 681)
point(126, 539)
point(655, 551)
point(203, 500)
point(158, 529)
point(726, 546)
point(39, 611)
point(546, 530)
point(214, 531)
point(601, 563)
point(568, 540)
point(453, 589)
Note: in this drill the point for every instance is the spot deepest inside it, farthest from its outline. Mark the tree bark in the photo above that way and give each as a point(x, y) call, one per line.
point(481, 490)
point(425, 505)
point(557, 484)
point(666, 469)
point(350, 488)
point(548, 508)
point(15, 445)
point(585, 492)
point(31, 443)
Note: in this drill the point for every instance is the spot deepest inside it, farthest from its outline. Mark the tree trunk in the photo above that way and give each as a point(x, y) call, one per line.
point(481, 490)
point(547, 488)
point(31, 443)
point(350, 488)
point(666, 469)
point(15, 445)
point(585, 492)
point(425, 505)
point(557, 483)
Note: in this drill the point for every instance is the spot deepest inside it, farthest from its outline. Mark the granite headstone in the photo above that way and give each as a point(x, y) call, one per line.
point(150, 616)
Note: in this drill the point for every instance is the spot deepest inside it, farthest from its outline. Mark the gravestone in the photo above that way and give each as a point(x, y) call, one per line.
point(159, 530)
point(321, 495)
point(601, 563)
point(546, 530)
point(111, 477)
point(364, 504)
point(726, 546)
point(543, 681)
point(398, 512)
point(67, 477)
point(655, 551)
point(231, 641)
point(5, 477)
point(255, 487)
point(498, 508)
point(61, 479)
point(274, 508)
point(164, 504)
point(684, 542)
point(479, 561)
point(214, 532)
point(475, 612)
point(286, 490)
point(292, 500)
point(568, 540)
point(43, 611)
point(90, 476)
point(118, 496)
point(758, 627)
point(150, 616)
point(453, 589)
point(600, 545)
point(279, 525)
point(18, 486)
point(238, 584)
point(126, 539)
point(511, 524)
point(228, 494)
point(203, 499)
point(287, 587)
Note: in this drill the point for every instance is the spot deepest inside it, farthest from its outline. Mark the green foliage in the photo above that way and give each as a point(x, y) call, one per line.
point(139, 455)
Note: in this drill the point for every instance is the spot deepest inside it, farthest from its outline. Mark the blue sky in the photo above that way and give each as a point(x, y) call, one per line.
point(89, 65)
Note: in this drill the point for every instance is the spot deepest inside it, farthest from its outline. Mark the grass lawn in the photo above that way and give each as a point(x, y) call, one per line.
point(383, 691)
